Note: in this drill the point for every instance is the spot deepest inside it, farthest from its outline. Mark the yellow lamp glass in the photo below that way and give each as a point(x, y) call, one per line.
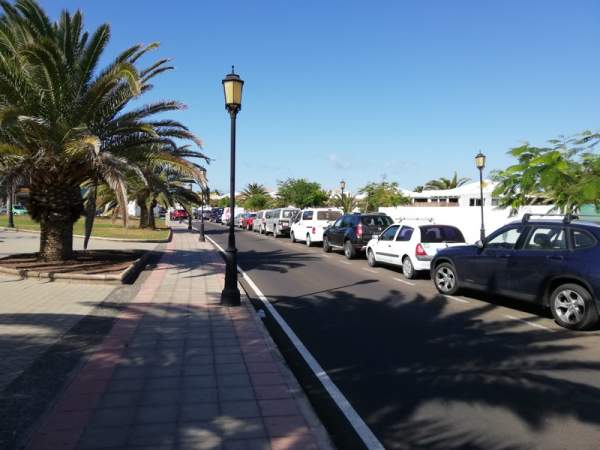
point(480, 161)
point(232, 87)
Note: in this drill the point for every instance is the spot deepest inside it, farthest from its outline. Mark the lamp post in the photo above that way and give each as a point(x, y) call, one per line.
point(480, 164)
point(205, 195)
point(232, 87)
point(10, 203)
point(191, 211)
point(342, 187)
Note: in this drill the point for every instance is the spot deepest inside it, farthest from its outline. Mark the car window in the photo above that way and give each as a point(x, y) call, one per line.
point(287, 213)
point(346, 221)
point(338, 223)
point(505, 240)
point(376, 221)
point(440, 233)
point(546, 238)
point(405, 234)
point(307, 215)
point(388, 234)
point(583, 239)
point(328, 215)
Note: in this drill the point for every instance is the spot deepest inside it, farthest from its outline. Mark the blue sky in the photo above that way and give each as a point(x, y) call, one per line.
point(359, 90)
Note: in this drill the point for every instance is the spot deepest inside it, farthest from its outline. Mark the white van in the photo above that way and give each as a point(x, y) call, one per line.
point(278, 221)
point(309, 224)
point(259, 221)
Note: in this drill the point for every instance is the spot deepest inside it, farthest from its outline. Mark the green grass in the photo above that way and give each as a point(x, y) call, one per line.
point(103, 227)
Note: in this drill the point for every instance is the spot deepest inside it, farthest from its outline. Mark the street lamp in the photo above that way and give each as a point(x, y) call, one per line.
point(191, 210)
point(480, 164)
point(342, 187)
point(232, 88)
point(205, 195)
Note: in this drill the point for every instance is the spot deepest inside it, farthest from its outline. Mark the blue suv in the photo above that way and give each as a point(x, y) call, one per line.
point(551, 262)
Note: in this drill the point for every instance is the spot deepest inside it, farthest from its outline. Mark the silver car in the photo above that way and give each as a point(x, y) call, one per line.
point(278, 221)
point(258, 223)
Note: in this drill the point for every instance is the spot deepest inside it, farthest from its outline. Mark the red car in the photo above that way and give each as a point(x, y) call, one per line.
point(248, 220)
point(179, 214)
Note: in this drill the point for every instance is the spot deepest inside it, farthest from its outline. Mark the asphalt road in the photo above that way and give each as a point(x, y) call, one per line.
point(428, 371)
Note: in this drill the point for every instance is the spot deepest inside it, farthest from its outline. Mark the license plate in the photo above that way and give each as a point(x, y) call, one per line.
point(285, 224)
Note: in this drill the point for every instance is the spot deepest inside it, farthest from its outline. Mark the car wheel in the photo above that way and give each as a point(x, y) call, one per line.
point(408, 269)
point(326, 246)
point(572, 307)
point(308, 241)
point(371, 258)
point(292, 237)
point(445, 279)
point(349, 250)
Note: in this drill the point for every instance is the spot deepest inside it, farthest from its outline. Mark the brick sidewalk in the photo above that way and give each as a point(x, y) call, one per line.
point(178, 371)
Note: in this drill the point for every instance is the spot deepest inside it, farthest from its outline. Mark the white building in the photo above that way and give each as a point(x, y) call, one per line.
point(460, 207)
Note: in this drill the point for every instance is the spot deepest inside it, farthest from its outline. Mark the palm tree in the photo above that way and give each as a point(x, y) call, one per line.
point(255, 196)
point(63, 122)
point(348, 203)
point(445, 183)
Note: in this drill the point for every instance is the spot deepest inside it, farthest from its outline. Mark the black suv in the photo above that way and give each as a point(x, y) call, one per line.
point(550, 262)
point(352, 232)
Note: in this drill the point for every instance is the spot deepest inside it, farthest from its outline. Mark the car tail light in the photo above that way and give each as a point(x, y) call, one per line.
point(314, 230)
point(420, 251)
point(359, 230)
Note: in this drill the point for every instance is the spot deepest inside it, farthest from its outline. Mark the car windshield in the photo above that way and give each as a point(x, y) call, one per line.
point(287, 213)
point(328, 215)
point(376, 221)
point(431, 234)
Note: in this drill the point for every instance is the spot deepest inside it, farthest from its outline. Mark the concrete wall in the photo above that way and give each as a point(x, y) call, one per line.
point(467, 219)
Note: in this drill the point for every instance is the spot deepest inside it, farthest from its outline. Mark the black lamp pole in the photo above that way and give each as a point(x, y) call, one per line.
point(230, 296)
point(480, 163)
point(10, 204)
point(201, 238)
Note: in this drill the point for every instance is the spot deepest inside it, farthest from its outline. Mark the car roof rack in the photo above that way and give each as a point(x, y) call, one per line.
point(428, 219)
point(567, 218)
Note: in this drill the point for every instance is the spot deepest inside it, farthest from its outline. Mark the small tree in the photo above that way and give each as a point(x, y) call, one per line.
point(565, 174)
point(380, 194)
point(301, 193)
point(347, 203)
point(255, 197)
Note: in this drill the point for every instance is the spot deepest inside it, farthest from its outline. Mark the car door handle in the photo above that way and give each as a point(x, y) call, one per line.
point(555, 257)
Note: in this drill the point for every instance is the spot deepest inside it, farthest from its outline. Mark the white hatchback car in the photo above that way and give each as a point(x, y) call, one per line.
point(412, 245)
point(308, 225)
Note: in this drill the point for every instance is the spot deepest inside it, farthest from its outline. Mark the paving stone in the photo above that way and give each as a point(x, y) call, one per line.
point(237, 428)
point(234, 380)
point(198, 412)
point(104, 437)
point(160, 397)
point(113, 417)
point(156, 414)
point(236, 393)
point(247, 444)
point(200, 395)
point(154, 384)
point(240, 409)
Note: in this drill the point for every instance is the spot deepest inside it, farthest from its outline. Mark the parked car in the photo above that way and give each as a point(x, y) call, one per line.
point(237, 220)
point(258, 222)
point(278, 221)
point(19, 210)
point(412, 245)
point(352, 232)
point(309, 224)
point(179, 214)
point(247, 220)
point(215, 215)
point(550, 262)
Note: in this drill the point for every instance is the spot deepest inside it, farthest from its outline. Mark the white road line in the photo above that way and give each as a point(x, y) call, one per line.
point(533, 324)
point(370, 270)
point(456, 299)
point(345, 262)
point(361, 428)
point(404, 281)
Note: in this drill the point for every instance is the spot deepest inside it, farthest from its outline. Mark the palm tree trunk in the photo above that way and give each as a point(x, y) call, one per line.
point(151, 218)
point(56, 240)
point(56, 207)
point(144, 218)
point(9, 205)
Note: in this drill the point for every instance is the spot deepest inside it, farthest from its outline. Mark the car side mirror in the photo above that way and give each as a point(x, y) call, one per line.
point(479, 244)
point(375, 236)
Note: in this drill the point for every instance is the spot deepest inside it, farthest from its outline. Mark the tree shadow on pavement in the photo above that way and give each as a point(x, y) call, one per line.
point(425, 373)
